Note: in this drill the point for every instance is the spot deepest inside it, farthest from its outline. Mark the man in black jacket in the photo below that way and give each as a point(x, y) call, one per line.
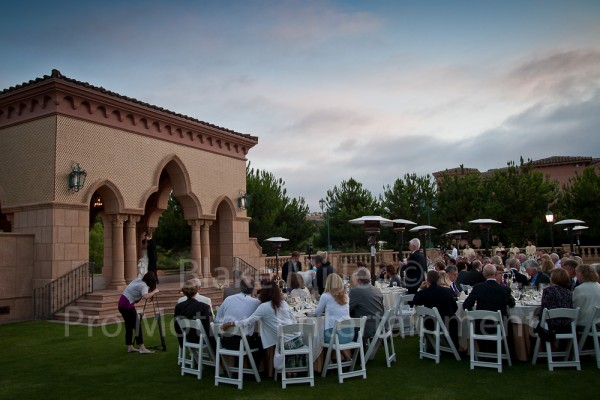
point(415, 268)
point(293, 265)
point(324, 269)
point(443, 299)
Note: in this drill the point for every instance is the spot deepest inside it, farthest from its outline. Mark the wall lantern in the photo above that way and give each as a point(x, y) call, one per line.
point(76, 178)
point(243, 200)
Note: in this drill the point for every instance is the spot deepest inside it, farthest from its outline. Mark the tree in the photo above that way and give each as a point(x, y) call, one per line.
point(173, 231)
point(412, 198)
point(273, 213)
point(347, 202)
point(580, 199)
point(97, 244)
point(518, 196)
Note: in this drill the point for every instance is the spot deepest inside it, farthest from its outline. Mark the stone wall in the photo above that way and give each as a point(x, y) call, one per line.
point(16, 272)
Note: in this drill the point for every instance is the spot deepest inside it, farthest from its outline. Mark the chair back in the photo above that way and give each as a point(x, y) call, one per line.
point(352, 323)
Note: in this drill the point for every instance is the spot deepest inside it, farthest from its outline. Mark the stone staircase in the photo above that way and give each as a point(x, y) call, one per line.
point(100, 307)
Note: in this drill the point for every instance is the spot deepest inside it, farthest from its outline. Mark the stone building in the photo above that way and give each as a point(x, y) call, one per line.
point(134, 156)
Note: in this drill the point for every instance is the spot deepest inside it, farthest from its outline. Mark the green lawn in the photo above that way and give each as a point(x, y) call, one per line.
point(53, 361)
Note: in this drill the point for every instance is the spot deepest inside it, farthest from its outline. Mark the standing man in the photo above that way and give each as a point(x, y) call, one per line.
point(416, 267)
point(152, 255)
point(293, 265)
point(324, 269)
point(530, 250)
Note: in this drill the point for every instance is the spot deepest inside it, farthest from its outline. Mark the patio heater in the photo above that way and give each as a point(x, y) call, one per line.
point(277, 241)
point(399, 226)
point(485, 224)
point(570, 224)
point(372, 224)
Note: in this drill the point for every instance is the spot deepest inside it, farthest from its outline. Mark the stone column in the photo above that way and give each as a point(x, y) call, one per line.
point(196, 247)
point(131, 248)
point(118, 264)
point(206, 248)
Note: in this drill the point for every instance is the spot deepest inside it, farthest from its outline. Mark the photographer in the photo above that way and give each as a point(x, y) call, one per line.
point(139, 289)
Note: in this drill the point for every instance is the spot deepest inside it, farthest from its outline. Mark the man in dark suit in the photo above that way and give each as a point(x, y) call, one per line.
point(474, 275)
point(293, 265)
point(443, 299)
point(515, 269)
point(490, 295)
point(415, 268)
point(324, 269)
point(193, 309)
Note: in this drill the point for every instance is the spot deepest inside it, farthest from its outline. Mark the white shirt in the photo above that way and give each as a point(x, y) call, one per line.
point(237, 307)
point(135, 290)
point(270, 321)
point(333, 310)
point(454, 253)
point(201, 299)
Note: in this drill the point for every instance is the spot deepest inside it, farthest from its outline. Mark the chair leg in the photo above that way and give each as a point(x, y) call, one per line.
point(536, 351)
point(327, 362)
point(339, 365)
point(549, 356)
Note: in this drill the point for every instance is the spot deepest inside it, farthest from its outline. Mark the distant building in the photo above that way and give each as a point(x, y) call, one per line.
point(558, 168)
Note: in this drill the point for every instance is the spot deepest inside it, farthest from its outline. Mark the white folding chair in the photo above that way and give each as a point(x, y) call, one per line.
point(567, 313)
point(306, 331)
point(403, 315)
point(194, 355)
point(243, 351)
point(383, 334)
point(355, 346)
point(438, 337)
point(591, 331)
point(499, 336)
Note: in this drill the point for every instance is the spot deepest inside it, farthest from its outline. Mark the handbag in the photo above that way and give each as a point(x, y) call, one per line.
point(278, 360)
point(547, 335)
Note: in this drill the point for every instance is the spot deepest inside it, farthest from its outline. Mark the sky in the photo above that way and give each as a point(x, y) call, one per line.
point(334, 90)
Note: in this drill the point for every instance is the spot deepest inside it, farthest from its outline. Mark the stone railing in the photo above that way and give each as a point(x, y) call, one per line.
point(345, 263)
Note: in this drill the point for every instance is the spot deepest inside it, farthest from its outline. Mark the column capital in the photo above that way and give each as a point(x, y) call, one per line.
point(206, 223)
point(195, 223)
point(118, 219)
point(132, 220)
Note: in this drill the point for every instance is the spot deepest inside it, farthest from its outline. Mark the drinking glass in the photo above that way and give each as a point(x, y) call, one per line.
point(395, 284)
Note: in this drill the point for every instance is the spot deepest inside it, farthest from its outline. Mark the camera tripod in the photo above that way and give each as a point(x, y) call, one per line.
point(158, 317)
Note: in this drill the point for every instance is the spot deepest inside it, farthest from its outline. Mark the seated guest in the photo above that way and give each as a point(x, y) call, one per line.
point(461, 267)
point(596, 267)
point(334, 302)
point(444, 280)
point(547, 266)
point(272, 312)
point(238, 307)
point(514, 266)
point(366, 300)
point(192, 309)
point(234, 288)
point(382, 272)
point(558, 295)
point(297, 286)
point(586, 296)
point(439, 265)
point(536, 276)
point(434, 295)
point(390, 275)
point(198, 296)
point(452, 272)
point(570, 266)
point(474, 275)
point(490, 295)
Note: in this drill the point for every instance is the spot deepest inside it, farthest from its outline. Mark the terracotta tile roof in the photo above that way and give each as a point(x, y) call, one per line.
point(57, 75)
point(554, 160)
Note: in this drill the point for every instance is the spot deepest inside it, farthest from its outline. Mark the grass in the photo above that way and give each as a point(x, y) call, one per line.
point(54, 361)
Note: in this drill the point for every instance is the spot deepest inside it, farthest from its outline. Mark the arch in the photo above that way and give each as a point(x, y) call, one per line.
point(220, 200)
point(222, 235)
point(110, 194)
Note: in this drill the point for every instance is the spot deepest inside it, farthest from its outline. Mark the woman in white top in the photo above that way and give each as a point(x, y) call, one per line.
point(272, 312)
point(586, 296)
point(334, 301)
point(298, 288)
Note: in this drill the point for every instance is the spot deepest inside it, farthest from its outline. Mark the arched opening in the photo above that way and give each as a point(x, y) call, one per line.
point(222, 238)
